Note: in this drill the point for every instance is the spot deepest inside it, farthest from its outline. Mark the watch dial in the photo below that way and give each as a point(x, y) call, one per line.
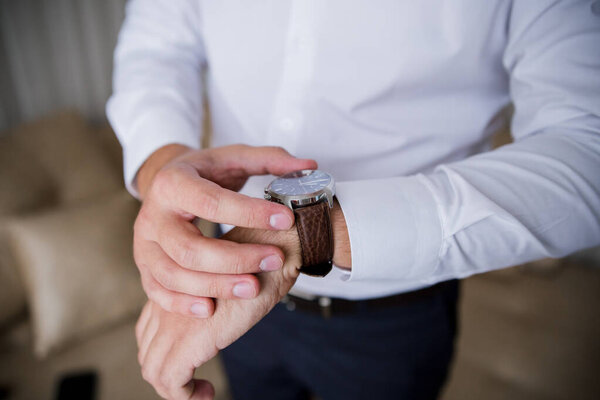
point(300, 182)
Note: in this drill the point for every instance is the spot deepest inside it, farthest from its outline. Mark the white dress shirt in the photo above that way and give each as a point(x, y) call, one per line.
point(398, 101)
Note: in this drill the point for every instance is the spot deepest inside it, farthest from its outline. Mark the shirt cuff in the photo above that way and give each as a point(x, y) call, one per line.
point(150, 132)
point(394, 228)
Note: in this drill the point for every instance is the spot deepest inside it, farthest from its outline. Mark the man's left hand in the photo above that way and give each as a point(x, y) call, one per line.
point(172, 346)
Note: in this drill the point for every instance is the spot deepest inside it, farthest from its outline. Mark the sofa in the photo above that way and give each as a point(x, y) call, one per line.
point(70, 292)
point(69, 289)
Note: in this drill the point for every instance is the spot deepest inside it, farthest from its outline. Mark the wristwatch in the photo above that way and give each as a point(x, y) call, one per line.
point(309, 193)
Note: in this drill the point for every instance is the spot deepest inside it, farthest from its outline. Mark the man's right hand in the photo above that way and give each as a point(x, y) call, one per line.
point(182, 270)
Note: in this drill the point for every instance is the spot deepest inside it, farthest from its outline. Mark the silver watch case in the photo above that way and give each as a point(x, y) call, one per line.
point(298, 201)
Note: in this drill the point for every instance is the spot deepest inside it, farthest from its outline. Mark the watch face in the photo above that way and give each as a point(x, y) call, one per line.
point(298, 183)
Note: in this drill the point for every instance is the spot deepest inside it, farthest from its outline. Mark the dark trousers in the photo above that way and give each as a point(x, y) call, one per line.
point(397, 352)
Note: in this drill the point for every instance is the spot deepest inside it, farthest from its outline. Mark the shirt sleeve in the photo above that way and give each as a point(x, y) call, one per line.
point(538, 197)
point(157, 93)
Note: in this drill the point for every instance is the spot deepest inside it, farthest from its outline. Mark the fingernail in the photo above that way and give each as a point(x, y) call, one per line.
point(199, 309)
point(243, 290)
point(280, 221)
point(271, 263)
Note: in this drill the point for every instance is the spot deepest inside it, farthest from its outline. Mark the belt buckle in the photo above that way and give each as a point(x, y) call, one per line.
point(325, 304)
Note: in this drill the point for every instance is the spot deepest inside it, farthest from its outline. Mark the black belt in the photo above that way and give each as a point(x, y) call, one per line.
point(328, 306)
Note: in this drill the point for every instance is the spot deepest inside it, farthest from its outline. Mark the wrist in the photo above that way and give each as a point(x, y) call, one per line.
point(342, 256)
point(287, 240)
point(154, 163)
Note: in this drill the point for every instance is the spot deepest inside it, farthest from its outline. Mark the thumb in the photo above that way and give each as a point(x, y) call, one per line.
point(203, 390)
point(272, 160)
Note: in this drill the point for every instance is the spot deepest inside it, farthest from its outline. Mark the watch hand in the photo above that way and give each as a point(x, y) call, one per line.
point(312, 182)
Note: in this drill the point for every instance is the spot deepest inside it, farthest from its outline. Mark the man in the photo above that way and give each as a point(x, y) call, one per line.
point(398, 101)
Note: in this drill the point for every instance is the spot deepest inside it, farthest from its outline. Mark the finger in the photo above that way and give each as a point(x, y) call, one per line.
point(186, 246)
point(203, 390)
point(146, 338)
point(152, 367)
point(196, 389)
point(179, 366)
point(174, 278)
point(184, 190)
point(268, 160)
point(142, 321)
point(177, 374)
point(178, 303)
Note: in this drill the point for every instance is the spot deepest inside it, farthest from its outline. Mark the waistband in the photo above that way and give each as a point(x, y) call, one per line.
point(330, 306)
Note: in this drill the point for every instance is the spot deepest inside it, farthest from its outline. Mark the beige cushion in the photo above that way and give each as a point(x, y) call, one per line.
point(24, 182)
point(24, 186)
point(78, 268)
point(72, 155)
point(55, 159)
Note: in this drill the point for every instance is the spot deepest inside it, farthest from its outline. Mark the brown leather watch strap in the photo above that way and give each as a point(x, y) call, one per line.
point(316, 238)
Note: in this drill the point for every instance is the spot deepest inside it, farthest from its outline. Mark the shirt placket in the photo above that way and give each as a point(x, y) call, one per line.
point(289, 112)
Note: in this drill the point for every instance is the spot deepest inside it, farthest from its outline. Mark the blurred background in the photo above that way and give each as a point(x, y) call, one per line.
point(69, 291)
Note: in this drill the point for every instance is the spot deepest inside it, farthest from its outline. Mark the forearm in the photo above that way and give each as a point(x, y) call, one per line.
point(536, 198)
